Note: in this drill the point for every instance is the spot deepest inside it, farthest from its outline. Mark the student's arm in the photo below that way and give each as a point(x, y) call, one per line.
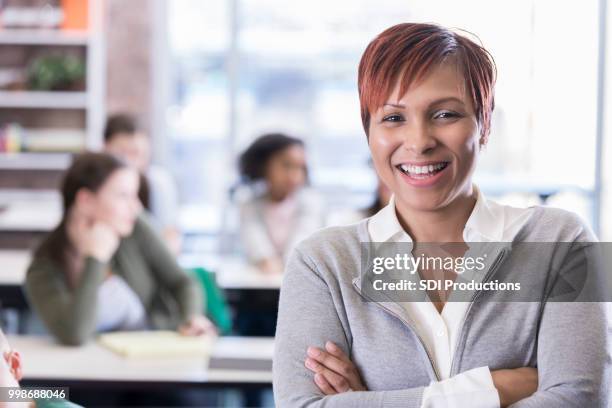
point(307, 316)
point(165, 267)
point(69, 314)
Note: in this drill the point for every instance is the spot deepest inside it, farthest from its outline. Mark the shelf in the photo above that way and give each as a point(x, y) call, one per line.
point(34, 161)
point(43, 37)
point(43, 100)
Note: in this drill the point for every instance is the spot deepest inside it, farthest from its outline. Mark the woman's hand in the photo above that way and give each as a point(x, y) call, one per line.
point(334, 371)
point(515, 384)
point(100, 241)
point(271, 266)
point(92, 238)
point(197, 326)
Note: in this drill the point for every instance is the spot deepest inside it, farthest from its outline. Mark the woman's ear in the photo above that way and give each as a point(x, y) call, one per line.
point(482, 142)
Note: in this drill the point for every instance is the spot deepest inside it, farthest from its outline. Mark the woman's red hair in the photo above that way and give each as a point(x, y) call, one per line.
point(408, 52)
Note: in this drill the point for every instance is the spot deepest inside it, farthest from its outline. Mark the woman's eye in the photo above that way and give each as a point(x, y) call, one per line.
point(445, 115)
point(393, 118)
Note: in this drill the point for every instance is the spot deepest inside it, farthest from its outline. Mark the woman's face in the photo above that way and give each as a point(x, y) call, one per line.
point(134, 148)
point(286, 171)
point(425, 143)
point(116, 203)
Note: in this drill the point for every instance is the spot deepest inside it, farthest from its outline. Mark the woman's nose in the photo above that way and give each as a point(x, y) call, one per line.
point(418, 138)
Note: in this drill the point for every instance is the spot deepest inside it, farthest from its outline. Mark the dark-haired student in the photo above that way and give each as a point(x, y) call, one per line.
point(282, 210)
point(104, 267)
point(125, 138)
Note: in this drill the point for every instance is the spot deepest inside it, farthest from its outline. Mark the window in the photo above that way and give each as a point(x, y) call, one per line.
point(244, 67)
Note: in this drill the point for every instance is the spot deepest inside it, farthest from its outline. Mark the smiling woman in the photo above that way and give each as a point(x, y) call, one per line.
point(426, 98)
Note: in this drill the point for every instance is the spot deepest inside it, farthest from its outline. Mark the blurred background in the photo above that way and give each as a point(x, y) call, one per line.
point(205, 78)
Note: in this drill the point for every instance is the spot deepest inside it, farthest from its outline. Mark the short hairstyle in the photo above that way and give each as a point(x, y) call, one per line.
point(408, 51)
point(120, 123)
point(254, 160)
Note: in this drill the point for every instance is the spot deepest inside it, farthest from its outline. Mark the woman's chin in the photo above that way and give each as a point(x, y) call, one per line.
point(424, 203)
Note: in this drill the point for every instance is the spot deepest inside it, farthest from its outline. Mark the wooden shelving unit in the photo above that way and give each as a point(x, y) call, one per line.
point(90, 103)
point(43, 100)
point(34, 161)
point(43, 37)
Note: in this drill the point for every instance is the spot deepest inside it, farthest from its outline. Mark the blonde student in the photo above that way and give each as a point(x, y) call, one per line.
point(104, 267)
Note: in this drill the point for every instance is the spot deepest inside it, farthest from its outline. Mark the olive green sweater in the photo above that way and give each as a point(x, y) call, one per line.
point(169, 296)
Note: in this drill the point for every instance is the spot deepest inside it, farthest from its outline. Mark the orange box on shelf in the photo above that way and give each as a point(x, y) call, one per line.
point(75, 14)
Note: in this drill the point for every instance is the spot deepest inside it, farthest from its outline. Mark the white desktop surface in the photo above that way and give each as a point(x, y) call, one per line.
point(232, 272)
point(45, 360)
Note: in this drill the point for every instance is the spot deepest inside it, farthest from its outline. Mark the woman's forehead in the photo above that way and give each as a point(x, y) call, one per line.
point(444, 81)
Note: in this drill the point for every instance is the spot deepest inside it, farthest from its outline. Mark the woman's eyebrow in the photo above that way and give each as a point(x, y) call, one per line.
point(394, 105)
point(434, 102)
point(447, 99)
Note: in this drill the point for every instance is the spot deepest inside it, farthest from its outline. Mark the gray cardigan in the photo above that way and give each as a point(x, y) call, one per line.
point(321, 300)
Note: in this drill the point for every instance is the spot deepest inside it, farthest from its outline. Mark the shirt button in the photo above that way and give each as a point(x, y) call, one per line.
point(440, 333)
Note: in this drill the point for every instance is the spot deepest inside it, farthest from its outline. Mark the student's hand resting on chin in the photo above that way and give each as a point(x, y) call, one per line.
point(334, 371)
point(197, 326)
point(93, 238)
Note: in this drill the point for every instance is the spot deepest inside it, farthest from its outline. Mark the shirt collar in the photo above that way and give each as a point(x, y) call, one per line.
point(485, 223)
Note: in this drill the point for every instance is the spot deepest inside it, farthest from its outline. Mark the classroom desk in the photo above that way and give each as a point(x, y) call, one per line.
point(233, 275)
point(235, 362)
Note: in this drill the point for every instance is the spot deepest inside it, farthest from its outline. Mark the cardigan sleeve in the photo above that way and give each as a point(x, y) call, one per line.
point(307, 316)
point(69, 314)
point(160, 260)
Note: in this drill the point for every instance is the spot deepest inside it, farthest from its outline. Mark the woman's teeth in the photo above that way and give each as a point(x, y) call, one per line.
point(426, 170)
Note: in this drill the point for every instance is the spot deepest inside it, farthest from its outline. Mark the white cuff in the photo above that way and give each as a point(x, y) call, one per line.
point(473, 388)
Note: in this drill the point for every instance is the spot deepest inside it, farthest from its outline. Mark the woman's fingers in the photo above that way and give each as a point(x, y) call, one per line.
point(337, 382)
point(323, 385)
point(336, 351)
point(344, 368)
point(355, 378)
point(329, 361)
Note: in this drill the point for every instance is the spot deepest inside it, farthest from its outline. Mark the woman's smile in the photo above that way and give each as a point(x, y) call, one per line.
point(424, 174)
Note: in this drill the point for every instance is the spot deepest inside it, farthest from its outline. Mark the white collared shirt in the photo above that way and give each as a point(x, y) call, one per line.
point(488, 222)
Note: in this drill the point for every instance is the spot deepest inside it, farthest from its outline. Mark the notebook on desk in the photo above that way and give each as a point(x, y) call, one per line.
point(156, 344)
